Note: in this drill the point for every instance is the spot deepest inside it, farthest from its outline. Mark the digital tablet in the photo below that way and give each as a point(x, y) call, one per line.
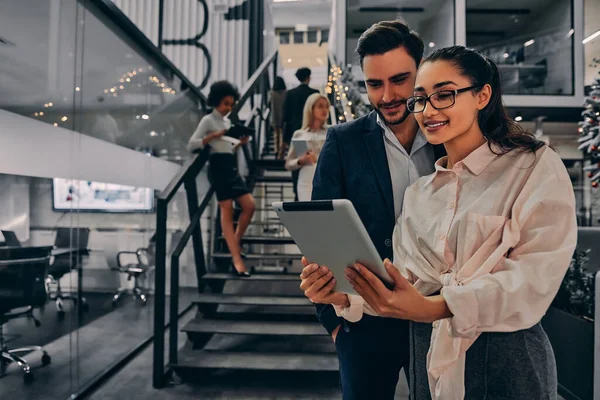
point(300, 147)
point(330, 233)
point(238, 131)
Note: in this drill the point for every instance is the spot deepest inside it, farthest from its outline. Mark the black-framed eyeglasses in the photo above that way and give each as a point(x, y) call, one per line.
point(438, 100)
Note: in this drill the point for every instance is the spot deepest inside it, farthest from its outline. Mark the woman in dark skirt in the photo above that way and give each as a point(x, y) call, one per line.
point(223, 173)
point(482, 244)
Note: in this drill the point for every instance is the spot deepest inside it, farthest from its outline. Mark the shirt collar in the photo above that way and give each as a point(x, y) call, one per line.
point(476, 162)
point(420, 139)
point(217, 114)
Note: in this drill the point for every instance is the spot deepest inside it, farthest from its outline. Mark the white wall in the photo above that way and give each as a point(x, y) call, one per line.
point(227, 40)
point(33, 148)
point(314, 13)
point(439, 29)
point(592, 48)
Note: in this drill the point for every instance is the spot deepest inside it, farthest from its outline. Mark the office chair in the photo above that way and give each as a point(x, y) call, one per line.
point(142, 264)
point(10, 239)
point(74, 242)
point(22, 276)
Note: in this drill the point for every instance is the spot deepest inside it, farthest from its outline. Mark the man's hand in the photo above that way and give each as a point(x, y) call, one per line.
point(335, 333)
point(318, 283)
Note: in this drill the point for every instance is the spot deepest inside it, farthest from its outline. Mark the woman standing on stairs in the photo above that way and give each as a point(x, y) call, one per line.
point(223, 173)
point(313, 131)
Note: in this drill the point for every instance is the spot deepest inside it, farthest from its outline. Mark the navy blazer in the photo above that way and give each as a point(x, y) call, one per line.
point(353, 165)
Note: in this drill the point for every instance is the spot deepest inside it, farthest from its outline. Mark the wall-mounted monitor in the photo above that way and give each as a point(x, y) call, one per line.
point(68, 194)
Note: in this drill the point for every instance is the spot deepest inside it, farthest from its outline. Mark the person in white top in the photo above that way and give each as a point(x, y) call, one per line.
point(223, 174)
point(313, 132)
point(481, 246)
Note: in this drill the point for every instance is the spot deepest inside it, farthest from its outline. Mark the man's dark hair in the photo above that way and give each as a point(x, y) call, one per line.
point(385, 36)
point(303, 73)
point(219, 90)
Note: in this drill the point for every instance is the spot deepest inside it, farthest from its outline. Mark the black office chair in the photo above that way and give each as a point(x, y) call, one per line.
point(137, 268)
point(10, 239)
point(74, 242)
point(22, 288)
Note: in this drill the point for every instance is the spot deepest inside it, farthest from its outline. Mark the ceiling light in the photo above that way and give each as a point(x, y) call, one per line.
point(570, 33)
point(506, 55)
point(55, 124)
point(431, 44)
point(289, 60)
point(519, 117)
point(77, 89)
point(529, 42)
point(591, 37)
point(145, 116)
point(64, 119)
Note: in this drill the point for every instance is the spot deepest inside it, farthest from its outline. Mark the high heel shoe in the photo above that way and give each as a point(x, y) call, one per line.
point(244, 274)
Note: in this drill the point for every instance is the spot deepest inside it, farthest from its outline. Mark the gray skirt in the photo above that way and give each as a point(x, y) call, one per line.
point(499, 366)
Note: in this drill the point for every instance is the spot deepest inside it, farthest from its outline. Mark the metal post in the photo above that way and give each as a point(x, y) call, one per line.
point(174, 309)
point(158, 370)
point(161, 13)
point(192, 200)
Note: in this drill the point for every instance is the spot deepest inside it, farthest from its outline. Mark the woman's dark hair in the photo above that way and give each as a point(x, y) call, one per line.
point(496, 125)
point(219, 90)
point(385, 36)
point(279, 84)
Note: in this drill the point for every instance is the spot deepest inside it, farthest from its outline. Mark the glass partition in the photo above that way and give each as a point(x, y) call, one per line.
point(532, 43)
point(68, 74)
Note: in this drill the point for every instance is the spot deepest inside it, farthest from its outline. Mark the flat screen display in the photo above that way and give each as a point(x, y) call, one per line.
point(91, 196)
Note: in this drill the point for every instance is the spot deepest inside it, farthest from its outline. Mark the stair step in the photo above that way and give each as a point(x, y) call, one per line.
point(254, 277)
point(271, 164)
point(256, 361)
point(265, 240)
point(273, 179)
point(263, 256)
point(241, 300)
point(200, 325)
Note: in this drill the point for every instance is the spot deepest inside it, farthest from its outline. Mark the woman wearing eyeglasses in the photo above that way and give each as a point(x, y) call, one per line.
point(481, 246)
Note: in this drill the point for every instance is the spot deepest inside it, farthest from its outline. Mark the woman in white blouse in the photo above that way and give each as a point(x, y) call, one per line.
point(222, 172)
point(482, 244)
point(313, 132)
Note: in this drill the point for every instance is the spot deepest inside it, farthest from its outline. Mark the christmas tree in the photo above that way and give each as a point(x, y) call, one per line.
point(589, 128)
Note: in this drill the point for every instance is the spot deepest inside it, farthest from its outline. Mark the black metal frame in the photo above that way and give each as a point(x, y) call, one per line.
point(257, 84)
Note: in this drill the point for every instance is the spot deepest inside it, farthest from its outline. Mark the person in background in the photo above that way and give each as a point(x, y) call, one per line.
point(314, 131)
point(482, 244)
point(278, 95)
point(223, 173)
point(293, 111)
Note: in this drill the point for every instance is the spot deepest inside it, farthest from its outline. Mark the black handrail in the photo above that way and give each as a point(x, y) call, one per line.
point(131, 33)
point(257, 78)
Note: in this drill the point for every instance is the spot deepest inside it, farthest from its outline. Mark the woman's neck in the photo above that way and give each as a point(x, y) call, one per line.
point(316, 126)
point(460, 147)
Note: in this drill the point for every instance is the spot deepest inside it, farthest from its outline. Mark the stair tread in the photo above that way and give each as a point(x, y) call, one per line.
point(265, 239)
point(263, 256)
point(273, 179)
point(253, 277)
point(255, 327)
point(258, 361)
point(236, 299)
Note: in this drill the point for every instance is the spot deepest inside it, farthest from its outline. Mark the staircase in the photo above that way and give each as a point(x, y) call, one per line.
point(262, 323)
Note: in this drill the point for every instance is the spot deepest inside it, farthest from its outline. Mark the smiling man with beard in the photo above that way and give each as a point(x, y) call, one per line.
point(371, 161)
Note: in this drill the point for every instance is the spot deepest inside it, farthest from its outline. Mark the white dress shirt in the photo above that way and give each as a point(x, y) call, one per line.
point(405, 169)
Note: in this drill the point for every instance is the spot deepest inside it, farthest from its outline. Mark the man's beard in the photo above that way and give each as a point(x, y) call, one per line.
point(397, 119)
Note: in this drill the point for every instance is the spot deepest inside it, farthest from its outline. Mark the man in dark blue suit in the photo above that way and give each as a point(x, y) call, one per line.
point(371, 161)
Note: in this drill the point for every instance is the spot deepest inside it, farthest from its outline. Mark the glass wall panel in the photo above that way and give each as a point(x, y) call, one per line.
point(434, 23)
point(532, 42)
point(63, 64)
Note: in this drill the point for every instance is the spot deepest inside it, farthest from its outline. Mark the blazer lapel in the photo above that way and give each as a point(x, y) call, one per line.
point(376, 149)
